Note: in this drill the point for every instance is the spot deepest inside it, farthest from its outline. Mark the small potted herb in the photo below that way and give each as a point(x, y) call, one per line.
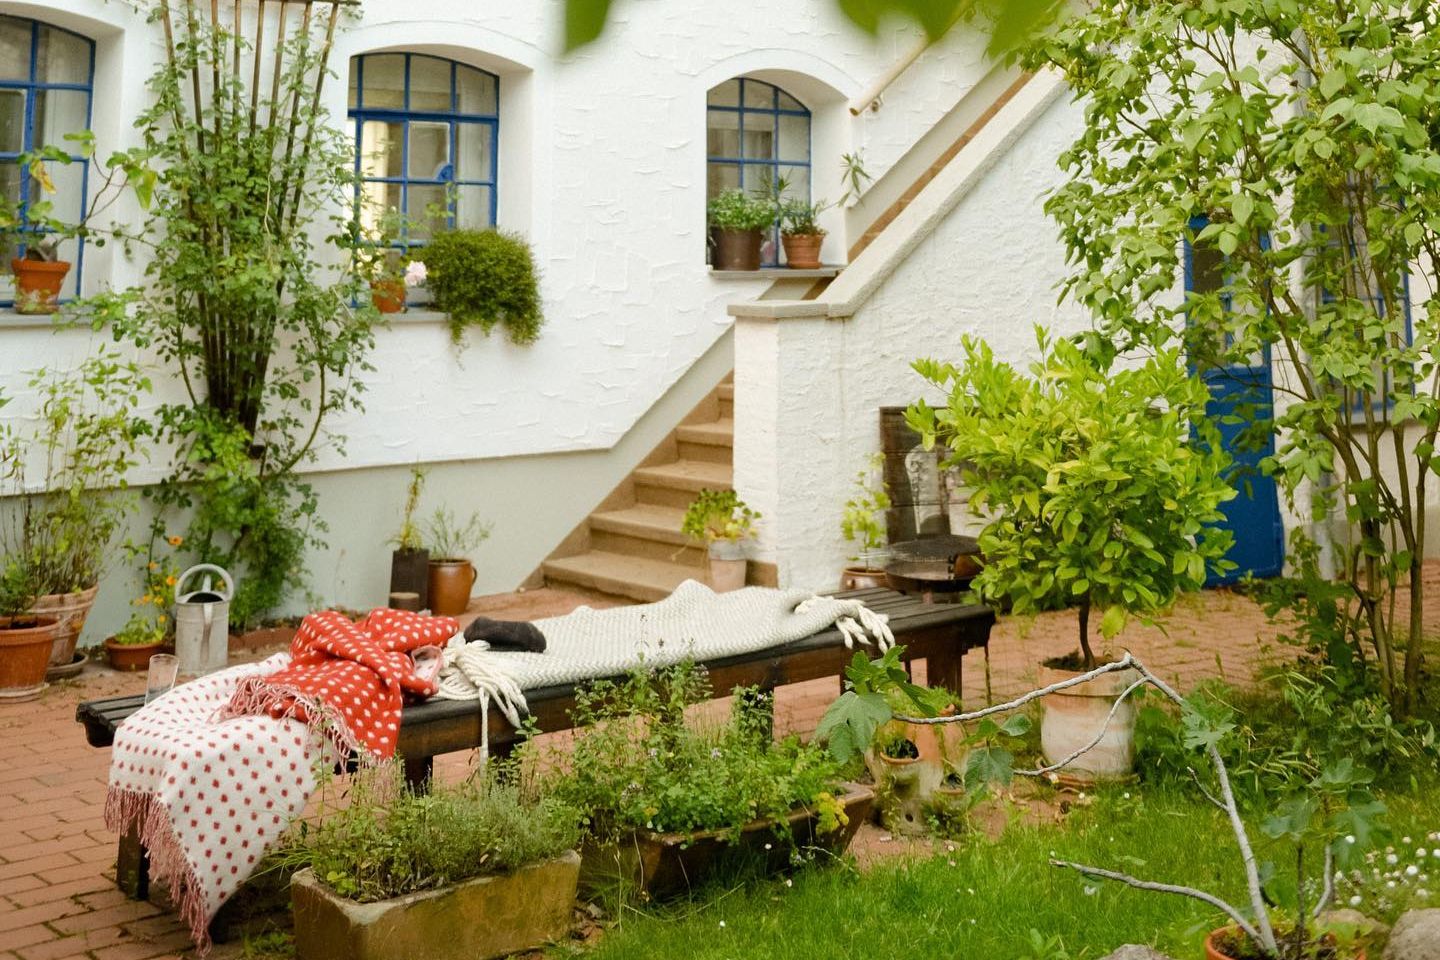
point(483, 278)
point(473, 871)
point(737, 221)
point(800, 234)
point(149, 627)
point(409, 560)
point(720, 519)
point(451, 570)
point(864, 523)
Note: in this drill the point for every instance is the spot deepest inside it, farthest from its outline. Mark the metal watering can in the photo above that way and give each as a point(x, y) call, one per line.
point(202, 621)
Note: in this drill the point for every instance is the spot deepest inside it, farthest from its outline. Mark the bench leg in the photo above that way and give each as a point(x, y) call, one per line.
point(132, 867)
point(945, 671)
point(418, 771)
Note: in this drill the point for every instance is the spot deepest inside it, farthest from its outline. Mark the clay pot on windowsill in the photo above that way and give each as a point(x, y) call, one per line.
point(802, 250)
point(130, 657)
point(25, 647)
point(388, 296)
point(449, 586)
point(38, 284)
point(735, 249)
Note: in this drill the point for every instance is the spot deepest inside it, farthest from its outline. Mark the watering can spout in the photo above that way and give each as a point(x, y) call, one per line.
point(202, 620)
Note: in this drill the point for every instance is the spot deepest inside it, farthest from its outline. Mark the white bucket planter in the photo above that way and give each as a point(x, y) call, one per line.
point(1074, 717)
point(728, 565)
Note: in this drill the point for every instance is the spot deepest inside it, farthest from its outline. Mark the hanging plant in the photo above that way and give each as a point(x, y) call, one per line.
point(482, 278)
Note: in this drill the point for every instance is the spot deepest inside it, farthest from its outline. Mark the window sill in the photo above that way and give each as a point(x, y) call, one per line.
point(10, 320)
point(778, 273)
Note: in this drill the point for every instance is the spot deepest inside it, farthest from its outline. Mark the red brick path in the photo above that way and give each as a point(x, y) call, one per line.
point(57, 894)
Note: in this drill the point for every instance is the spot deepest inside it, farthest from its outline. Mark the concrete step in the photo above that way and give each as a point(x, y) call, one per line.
point(676, 484)
point(636, 578)
point(725, 393)
point(646, 530)
point(706, 441)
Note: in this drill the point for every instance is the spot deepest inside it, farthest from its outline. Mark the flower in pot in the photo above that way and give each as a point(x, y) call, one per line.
point(379, 257)
point(721, 520)
point(451, 572)
point(410, 561)
point(1099, 486)
point(133, 645)
point(864, 523)
point(150, 627)
point(800, 234)
point(737, 221)
point(475, 870)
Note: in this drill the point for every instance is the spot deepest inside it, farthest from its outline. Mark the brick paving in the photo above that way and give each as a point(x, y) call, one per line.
point(57, 893)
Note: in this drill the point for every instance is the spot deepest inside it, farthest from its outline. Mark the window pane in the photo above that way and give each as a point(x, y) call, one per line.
point(68, 200)
point(720, 177)
point(12, 121)
point(14, 49)
point(759, 94)
point(1207, 269)
point(478, 92)
point(797, 182)
point(429, 151)
point(474, 152)
point(725, 95)
point(62, 57)
point(472, 207)
point(384, 82)
point(759, 140)
point(354, 98)
point(757, 177)
point(58, 112)
point(788, 102)
point(429, 85)
point(723, 134)
point(380, 197)
point(380, 147)
point(794, 138)
point(426, 205)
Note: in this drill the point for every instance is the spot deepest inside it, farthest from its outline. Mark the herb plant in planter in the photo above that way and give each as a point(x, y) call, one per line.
point(864, 523)
point(484, 278)
point(800, 234)
point(721, 520)
point(410, 561)
point(1098, 484)
point(668, 797)
point(737, 221)
point(478, 870)
point(149, 627)
point(451, 570)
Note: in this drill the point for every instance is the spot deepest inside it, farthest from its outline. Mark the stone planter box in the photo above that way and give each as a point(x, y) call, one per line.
point(667, 864)
point(481, 918)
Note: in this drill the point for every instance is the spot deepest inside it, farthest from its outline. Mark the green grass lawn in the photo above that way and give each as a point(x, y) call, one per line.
point(984, 899)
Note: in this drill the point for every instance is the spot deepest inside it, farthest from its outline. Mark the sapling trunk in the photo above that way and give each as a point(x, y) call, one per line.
point(1087, 656)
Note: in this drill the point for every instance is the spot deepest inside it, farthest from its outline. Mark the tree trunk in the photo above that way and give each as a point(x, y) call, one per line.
point(1087, 655)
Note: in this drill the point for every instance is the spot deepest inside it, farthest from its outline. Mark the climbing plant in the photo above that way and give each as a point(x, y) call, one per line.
point(1292, 144)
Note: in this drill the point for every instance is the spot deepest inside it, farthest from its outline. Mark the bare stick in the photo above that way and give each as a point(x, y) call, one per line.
point(1231, 911)
point(1104, 728)
point(1123, 663)
point(1327, 893)
point(1195, 778)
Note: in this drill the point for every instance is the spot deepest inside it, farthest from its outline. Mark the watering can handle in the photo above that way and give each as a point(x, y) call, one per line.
point(204, 568)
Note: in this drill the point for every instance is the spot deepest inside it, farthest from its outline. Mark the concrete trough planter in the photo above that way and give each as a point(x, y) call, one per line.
point(476, 919)
point(668, 864)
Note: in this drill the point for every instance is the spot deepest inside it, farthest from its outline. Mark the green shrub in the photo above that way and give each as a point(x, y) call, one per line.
point(738, 210)
point(482, 278)
point(390, 841)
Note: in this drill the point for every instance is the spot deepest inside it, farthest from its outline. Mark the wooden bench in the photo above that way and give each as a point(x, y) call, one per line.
point(939, 634)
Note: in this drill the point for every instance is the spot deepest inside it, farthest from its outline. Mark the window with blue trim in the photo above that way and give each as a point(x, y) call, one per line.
point(427, 140)
point(757, 134)
point(46, 85)
point(1372, 299)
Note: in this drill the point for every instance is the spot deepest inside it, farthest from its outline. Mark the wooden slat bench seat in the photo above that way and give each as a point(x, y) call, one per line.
point(939, 634)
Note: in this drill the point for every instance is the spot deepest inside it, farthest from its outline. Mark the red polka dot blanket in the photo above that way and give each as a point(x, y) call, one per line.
point(211, 774)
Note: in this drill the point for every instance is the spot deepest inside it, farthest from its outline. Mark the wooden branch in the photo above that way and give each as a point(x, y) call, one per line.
point(1124, 663)
point(1195, 778)
point(1104, 728)
point(1327, 893)
point(1232, 912)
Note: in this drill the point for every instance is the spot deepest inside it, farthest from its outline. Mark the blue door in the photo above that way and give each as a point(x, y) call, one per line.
point(1253, 516)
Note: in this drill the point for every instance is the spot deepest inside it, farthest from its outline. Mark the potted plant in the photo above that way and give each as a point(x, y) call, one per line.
point(1099, 486)
point(477, 870)
point(410, 561)
point(26, 638)
point(150, 626)
point(668, 798)
point(483, 278)
point(720, 519)
point(451, 571)
point(381, 259)
point(131, 648)
point(800, 234)
point(737, 220)
point(864, 522)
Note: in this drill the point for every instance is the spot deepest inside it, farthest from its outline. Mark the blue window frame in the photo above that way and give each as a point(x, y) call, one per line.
point(47, 77)
point(426, 138)
point(757, 133)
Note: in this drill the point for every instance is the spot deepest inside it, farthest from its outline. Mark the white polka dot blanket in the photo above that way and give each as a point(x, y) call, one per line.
point(212, 773)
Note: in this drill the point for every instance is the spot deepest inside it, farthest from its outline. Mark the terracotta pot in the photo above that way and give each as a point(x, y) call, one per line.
point(450, 583)
point(802, 250)
point(727, 575)
point(24, 657)
point(410, 573)
point(736, 249)
point(70, 611)
point(862, 578)
point(130, 657)
point(1212, 952)
point(37, 284)
point(1074, 717)
point(388, 295)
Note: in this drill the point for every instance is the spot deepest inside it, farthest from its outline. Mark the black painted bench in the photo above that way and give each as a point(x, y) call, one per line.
point(939, 634)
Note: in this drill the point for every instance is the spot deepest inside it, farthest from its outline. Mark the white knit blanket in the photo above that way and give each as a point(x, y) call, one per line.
point(693, 623)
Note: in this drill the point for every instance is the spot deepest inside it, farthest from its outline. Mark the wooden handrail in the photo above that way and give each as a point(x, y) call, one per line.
point(870, 99)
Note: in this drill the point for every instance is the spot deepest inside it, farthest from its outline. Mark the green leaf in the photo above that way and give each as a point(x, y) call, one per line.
point(849, 725)
point(989, 765)
point(584, 21)
point(1113, 621)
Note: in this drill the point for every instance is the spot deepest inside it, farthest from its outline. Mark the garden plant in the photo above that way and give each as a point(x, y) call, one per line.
point(484, 278)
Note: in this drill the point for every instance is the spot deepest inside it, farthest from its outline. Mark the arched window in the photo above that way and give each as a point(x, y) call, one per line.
point(757, 134)
point(426, 131)
point(46, 80)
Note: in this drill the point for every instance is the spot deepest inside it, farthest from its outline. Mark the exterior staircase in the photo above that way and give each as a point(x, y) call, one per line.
point(632, 547)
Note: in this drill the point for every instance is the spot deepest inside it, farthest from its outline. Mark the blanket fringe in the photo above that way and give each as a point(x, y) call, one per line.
point(129, 811)
point(256, 695)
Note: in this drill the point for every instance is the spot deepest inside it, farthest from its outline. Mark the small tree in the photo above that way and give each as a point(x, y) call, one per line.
point(1097, 481)
point(1292, 144)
